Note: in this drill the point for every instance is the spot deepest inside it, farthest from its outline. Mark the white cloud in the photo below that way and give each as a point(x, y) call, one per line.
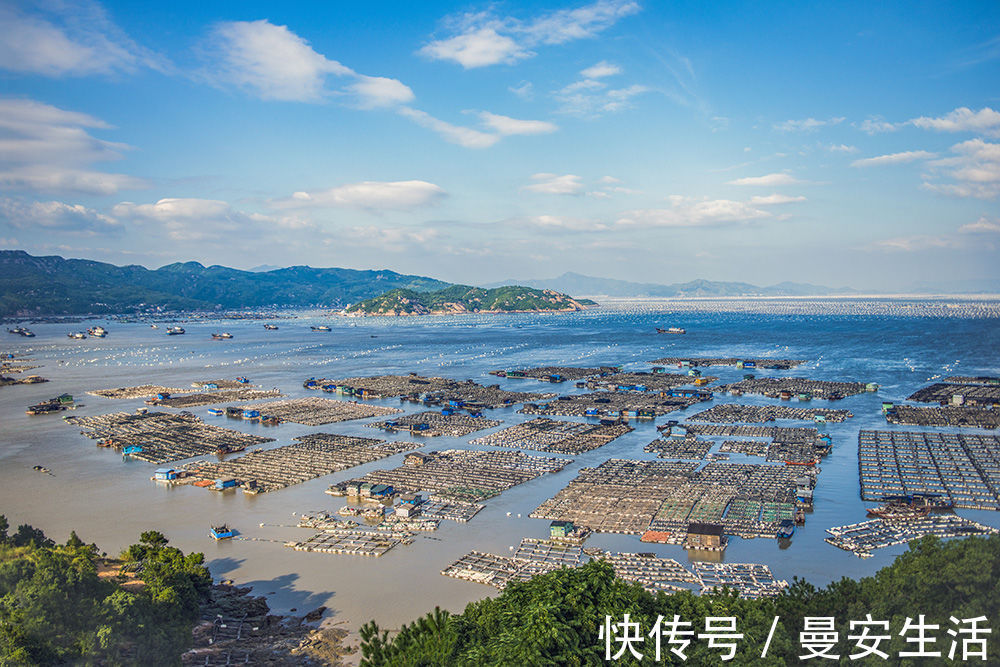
point(55, 216)
point(876, 125)
point(894, 158)
point(377, 91)
point(367, 194)
point(963, 119)
point(609, 180)
point(914, 243)
point(981, 226)
point(485, 39)
point(590, 97)
point(563, 222)
point(687, 212)
point(274, 63)
point(975, 168)
point(524, 90)
point(767, 180)
point(505, 126)
point(46, 148)
point(463, 136)
point(60, 39)
point(841, 148)
point(600, 70)
point(554, 184)
point(775, 199)
point(193, 220)
point(806, 124)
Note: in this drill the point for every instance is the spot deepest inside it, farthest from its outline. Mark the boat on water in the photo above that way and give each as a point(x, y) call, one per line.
point(153, 326)
point(271, 327)
point(77, 335)
point(175, 331)
point(97, 332)
point(221, 336)
point(41, 469)
point(222, 532)
point(321, 327)
point(786, 528)
point(45, 408)
point(671, 330)
point(21, 331)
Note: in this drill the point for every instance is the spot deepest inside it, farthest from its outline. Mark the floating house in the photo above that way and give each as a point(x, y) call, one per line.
point(707, 536)
point(164, 474)
point(561, 529)
point(225, 483)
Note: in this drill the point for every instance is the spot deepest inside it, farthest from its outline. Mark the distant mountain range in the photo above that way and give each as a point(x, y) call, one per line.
point(52, 285)
point(575, 283)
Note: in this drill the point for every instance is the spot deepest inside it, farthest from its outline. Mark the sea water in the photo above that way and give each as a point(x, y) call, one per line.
point(110, 501)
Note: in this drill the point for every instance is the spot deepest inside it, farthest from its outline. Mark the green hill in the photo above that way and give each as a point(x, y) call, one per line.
point(32, 285)
point(459, 299)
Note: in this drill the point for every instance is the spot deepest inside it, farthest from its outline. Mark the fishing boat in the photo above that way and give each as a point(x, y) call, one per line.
point(175, 331)
point(222, 532)
point(671, 330)
point(41, 469)
point(77, 335)
point(21, 331)
point(45, 408)
point(97, 332)
point(321, 327)
point(153, 326)
point(221, 336)
point(786, 529)
point(271, 327)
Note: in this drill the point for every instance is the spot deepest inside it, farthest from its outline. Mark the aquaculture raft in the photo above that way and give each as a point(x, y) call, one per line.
point(956, 469)
point(770, 364)
point(728, 413)
point(427, 389)
point(433, 423)
point(862, 538)
point(314, 411)
point(558, 437)
point(159, 437)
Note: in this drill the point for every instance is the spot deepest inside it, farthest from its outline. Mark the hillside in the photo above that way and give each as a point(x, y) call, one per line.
point(575, 283)
point(53, 285)
point(459, 299)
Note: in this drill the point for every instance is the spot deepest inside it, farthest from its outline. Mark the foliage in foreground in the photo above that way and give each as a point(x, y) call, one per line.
point(55, 608)
point(554, 619)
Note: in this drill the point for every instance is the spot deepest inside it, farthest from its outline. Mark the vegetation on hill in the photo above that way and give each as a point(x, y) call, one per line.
point(62, 603)
point(465, 299)
point(52, 285)
point(555, 619)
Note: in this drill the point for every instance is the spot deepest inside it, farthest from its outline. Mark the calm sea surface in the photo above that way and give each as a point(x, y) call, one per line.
point(110, 502)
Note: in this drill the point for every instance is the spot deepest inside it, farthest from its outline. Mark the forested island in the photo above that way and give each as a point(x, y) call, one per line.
point(459, 299)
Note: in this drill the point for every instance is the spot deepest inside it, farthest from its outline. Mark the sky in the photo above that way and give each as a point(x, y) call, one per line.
point(842, 144)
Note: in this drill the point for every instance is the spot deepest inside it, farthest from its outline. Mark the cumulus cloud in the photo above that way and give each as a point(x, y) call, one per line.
point(767, 180)
point(46, 148)
point(963, 119)
point(482, 39)
point(806, 124)
point(592, 97)
point(455, 134)
point(974, 168)
point(554, 184)
point(841, 148)
point(505, 126)
point(376, 195)
point(55, 216)
point(274, 63)
point(893, 158)
point(563, 223)
point(59, 40)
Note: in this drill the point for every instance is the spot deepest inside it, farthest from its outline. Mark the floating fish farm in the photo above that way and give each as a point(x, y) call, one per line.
point(651, 572)
point(431, 390)
point(557, 437)
point(313, 456)
point(729, 413)
point(433, 423)
point(693, 362)
point(159, 437)
point(750, 580)
point(615, 405)
point(316, 411)
point(863, 538)
point(557, 373)
point(210, 397)
point(745, 447)
point(465, 475)
point(970, 394)
point(962, 470)
point(801, 388)
point(680, 448)
point(969, 417)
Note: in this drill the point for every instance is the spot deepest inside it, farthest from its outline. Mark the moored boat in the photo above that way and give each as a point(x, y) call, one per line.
point(97, 332)
point(221, 336)
point(77, 335)
point(671, 330)
point(222, 532)
point(174, 331)
point(321, 327)
point(271, 327)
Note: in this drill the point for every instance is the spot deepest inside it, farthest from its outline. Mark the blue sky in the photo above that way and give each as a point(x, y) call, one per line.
point(843, 143)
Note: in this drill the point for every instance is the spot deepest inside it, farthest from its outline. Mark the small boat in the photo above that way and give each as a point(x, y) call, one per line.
point(222, 532)
point(45, 408)
point(321, 327)
point(271, 327)
point(41, 469)
point(153, 326)
point(221, 336)
point(77, 335)
point(786, 529)
point(97, 332)
point(21, 331)
point(671, 330)
point(216, 412)
point(175, 331)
